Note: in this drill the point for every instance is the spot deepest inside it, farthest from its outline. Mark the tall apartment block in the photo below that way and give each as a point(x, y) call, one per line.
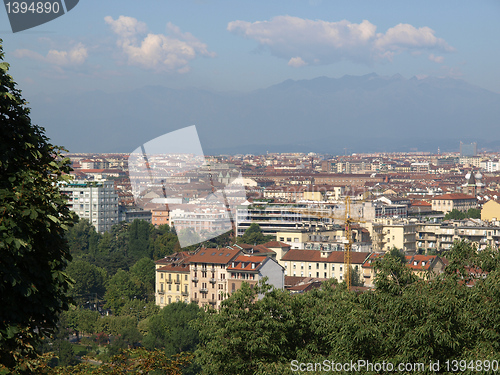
point(96, 201)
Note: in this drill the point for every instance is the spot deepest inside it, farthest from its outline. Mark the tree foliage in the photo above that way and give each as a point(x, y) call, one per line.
point(33, 218)
point(454, 316)
point(253, 235)
point(473, 213)
point(171, 330)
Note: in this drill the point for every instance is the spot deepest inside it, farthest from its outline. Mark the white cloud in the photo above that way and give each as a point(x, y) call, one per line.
point(322, 42)
point(171, 52)
point(438, 59)
point(75, 56)
point(296, 62)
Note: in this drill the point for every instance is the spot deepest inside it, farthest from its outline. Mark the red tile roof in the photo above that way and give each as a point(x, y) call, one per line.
point(216, 256)
point(454, 196)
point(246, 261)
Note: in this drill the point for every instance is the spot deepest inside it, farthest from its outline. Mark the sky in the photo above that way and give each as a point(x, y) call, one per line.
point(117, 46)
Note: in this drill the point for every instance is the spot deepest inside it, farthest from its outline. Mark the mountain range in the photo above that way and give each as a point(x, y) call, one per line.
point(326, 115)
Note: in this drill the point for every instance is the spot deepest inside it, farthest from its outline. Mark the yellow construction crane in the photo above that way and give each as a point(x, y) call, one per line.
point(348, 222)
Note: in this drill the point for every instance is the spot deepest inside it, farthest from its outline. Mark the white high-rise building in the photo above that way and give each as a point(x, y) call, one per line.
point(96, 201)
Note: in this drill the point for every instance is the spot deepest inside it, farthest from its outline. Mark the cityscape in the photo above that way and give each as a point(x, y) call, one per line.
point(408, 201)
point(253, 188)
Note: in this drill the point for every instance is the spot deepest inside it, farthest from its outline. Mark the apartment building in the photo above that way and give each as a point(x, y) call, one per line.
point(96, 201)
point(252, 269)
point(454, 201)
point(172, 279)
point(491, 211)
point(389, 233)
point(319, 264)
point(421, 265)
point(209, 275)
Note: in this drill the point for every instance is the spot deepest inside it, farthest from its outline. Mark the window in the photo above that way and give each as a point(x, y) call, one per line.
point(161, 300)
point(169, 286)
point(317, 266)
point(317, 274)
point(177, 287)
point(309, 266)
point(185, 277)
point(169, 300)
point(301, 266)
point(161, 275)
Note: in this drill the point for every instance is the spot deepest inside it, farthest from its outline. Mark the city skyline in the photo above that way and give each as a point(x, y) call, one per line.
point(111, 52)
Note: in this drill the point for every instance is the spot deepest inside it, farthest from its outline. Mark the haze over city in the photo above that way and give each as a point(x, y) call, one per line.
point(255, 77)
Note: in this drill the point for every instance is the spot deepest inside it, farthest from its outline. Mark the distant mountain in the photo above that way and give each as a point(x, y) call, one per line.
point(361, 113)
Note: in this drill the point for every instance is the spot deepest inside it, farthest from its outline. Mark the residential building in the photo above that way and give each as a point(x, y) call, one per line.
point(172, 279)
point(252, 269)
point(160, 216)
point(209, 275)
point(453, 201)
point(319, 264)
point(491, 211)
point(96, 201)
point(389, 233)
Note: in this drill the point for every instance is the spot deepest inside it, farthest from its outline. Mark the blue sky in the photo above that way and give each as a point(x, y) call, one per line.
point(245, 45)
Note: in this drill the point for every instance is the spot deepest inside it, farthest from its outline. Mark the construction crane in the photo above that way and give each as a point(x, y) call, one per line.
point(348, 221)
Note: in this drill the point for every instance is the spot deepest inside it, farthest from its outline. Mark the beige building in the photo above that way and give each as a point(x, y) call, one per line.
point(455, 201)
point(319, 264)
point(491, 211)
point(389, 233)
point(172, 279)
point(209, 275)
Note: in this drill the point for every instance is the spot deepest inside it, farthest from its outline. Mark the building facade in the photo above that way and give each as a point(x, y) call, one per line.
point(96, 201)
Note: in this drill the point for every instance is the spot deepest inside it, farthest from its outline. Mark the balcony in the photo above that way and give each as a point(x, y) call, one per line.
point(194, 269)
point(195, 279)
point(204, 290)
point(169, 281)
point(177, 281)
point(212, 301)
point(185, 294)
point(213, 281)
point(195, 300)
point(161, 292)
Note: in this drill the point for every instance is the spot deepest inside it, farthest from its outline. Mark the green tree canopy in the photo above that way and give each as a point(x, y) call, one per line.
point(33, 220)
point(171, 329)
point(121, 288)
point(89, 280)
point(253, 235)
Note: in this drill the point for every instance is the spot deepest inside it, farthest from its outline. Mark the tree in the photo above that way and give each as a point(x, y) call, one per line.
point(33, 220)
point(144, 270)
point(171, 329)
point(89, 280)
point(121, 288)
point(253, 235)
point(138, 242)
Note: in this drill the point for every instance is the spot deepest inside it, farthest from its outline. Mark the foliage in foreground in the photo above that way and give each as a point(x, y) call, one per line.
point(33, 221)
point(131, 361)
point(406, 320)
